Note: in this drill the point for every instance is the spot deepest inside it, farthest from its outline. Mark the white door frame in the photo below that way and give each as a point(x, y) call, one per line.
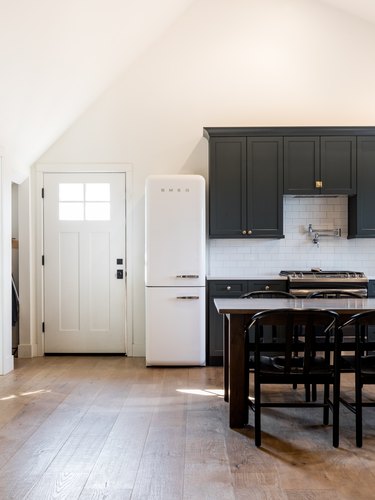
point(40, 169)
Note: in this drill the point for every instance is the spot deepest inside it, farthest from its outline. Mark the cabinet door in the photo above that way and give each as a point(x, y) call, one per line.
point(338, 165)
point(264, 187)
point(362, 206)
point(227, 187)
point(222, 289)
point(301, 165)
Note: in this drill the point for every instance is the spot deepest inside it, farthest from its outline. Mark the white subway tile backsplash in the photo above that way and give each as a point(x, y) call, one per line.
point(240, 258)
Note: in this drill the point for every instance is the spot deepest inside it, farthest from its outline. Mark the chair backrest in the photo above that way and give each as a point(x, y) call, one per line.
point(319, 334)
point(361, 322)
point(332, 293)
point(270, 294)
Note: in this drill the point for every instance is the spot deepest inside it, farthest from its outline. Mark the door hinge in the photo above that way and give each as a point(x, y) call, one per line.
point(42, 260)
point(43, 329)
point(42, 192)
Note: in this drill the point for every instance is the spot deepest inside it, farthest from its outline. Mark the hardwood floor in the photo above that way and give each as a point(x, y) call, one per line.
point(109, 428)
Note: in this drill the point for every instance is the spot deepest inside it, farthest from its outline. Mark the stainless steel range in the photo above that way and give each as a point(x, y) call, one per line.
point(301, 283)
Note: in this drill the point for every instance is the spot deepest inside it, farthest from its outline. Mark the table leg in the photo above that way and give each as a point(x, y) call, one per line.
point(238, 372)
point(226, 357)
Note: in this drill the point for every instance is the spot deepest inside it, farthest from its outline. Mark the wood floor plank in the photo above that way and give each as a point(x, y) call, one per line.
point(107, 427)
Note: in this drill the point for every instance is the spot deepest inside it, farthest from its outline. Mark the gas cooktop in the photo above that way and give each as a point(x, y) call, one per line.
point(321, 274)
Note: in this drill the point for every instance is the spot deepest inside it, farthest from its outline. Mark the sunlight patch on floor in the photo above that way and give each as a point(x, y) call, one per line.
point(29, 393)
point(203, 392)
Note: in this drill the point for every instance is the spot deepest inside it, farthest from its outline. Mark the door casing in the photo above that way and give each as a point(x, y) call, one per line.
point(41, 168)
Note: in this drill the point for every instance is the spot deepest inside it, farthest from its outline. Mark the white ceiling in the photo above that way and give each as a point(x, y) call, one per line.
point(58, 56)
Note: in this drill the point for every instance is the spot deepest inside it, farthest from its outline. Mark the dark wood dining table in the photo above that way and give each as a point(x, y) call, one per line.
point(237, 315)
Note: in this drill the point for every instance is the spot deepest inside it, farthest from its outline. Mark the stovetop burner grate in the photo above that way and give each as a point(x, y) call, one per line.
point(320, 274)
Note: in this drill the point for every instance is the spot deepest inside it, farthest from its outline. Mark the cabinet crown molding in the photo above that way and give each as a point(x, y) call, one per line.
point(209, 132)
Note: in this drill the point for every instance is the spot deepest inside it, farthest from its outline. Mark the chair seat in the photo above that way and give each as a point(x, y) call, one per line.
point(317, 364)
point(275, 364)
point(367, 363)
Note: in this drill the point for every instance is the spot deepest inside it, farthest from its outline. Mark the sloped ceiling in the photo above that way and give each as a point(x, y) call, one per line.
point(364, 9)
point(58, 56)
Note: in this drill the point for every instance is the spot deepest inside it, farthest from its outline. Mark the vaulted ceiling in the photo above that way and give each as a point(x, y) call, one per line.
point(58, 56)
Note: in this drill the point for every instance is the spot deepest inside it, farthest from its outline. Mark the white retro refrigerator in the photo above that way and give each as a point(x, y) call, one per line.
point(175, 270)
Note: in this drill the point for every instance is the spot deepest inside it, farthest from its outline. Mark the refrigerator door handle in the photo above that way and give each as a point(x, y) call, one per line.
point(187, 276)
point(188, 297)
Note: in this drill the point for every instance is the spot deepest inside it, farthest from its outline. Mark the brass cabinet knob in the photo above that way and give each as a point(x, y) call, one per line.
point(267, 287)
point(229, 288)
point(249, 231)
point(319, 184)
point(244, 231)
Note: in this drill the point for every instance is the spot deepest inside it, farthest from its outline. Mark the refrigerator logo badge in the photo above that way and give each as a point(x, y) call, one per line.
point(171, 190)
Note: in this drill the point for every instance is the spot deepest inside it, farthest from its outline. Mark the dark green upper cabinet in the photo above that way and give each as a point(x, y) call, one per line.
point(245, 187)
point(250, 168)
point(362, 206)
point(265, 187)
point(320, 165)
point(227, 187)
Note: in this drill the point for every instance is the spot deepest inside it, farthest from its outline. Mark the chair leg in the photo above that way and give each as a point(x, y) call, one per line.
point(336, 411)
point(307, 393)
point(257, 415)
point(325, 408)
point(313, 392)
point(358, 413)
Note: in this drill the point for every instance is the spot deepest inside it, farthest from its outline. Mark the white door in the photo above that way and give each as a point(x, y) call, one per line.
point(84, 262)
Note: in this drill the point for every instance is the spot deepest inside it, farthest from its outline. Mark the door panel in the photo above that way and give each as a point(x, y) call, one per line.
point(84, 236)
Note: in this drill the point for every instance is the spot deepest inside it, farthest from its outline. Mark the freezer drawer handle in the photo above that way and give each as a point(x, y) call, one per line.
point(187, 276)
point(189, 297)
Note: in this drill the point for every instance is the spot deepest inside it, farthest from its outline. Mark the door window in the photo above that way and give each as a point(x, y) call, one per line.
point(84, 201)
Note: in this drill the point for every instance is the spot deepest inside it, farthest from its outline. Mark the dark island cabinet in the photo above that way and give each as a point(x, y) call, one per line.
point(320, 165)
point(245, 187)
point(361, 207)
point(227, 289)
point(214, 338)
point(371, 288)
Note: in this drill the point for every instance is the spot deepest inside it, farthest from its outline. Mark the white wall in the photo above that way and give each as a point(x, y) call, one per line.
point(6, 357)
point(238, 63)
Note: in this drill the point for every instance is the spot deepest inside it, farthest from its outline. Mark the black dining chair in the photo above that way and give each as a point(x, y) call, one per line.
point(271, 294)
point(332, 293)
point(306, 369)
point(256, 294)
point(362, 363)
